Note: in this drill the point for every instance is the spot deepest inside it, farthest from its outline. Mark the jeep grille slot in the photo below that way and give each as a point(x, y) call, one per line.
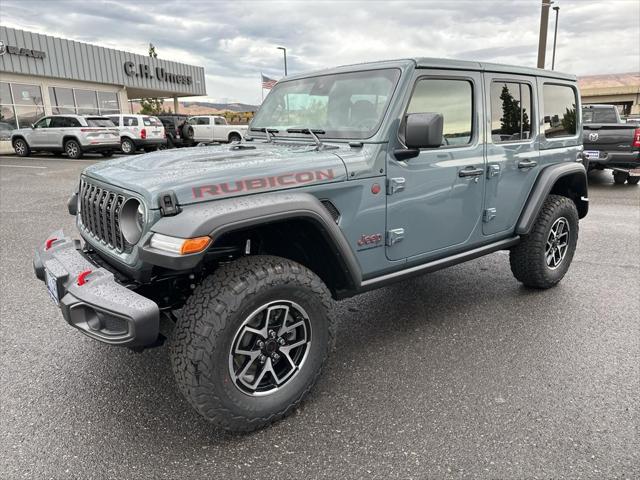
point(100, 215)
point(331, 208)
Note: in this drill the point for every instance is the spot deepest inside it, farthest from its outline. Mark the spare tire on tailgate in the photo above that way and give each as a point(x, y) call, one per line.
point(186, 131)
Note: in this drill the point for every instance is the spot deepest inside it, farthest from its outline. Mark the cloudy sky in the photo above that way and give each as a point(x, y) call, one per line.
point(236, 40)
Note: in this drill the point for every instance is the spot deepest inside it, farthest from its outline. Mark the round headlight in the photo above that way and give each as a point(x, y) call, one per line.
point(132, 218)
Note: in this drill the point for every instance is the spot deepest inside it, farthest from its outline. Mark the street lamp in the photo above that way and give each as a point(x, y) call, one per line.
point(284, 51)
point(555, 35)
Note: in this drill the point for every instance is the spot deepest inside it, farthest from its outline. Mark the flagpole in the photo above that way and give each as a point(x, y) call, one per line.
point(261, 89)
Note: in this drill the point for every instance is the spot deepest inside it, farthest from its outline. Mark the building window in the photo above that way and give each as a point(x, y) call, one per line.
point(108, 103)
point(510, 112)
point(61, 100)
point(86, 102)
point(451, 98)
point(560, 117)
point(21, 105)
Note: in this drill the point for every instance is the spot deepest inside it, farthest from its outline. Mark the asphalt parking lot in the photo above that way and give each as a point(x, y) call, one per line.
point(459, 374)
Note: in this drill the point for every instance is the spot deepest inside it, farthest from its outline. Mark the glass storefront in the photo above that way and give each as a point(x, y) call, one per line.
point(83, 102)
point(20, 104)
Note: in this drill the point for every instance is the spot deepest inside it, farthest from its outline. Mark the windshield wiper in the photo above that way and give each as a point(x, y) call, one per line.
point(269, 131)
point(312, 132)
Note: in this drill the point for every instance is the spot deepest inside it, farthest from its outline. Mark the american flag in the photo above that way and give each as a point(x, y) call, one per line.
point(268, 83)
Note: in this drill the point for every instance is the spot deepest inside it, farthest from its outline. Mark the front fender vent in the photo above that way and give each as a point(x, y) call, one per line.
point(331, 208)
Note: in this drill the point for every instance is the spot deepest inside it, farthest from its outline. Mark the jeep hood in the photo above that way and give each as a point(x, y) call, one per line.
point(208, 173)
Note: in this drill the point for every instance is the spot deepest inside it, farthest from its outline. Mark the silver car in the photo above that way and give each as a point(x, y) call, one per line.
point(71, 134)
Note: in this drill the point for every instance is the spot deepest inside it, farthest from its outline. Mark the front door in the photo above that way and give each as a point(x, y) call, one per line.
point(41, 135)
point(512, 148)
point(434, 200)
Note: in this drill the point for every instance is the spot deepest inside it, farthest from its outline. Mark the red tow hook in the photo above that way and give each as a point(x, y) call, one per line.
point(49, 242)
point(82, 277)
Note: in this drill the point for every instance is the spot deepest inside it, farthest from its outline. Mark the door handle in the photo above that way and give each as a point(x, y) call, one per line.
point(527, 163)
point(471, 172)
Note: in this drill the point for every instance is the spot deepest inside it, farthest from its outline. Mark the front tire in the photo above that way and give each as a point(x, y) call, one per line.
point(251, 341)
point(21, 147)
point(73, 149)
point(542, 258)
point(633, 180)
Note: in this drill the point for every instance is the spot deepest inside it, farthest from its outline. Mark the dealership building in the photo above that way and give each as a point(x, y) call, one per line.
point(44, 75)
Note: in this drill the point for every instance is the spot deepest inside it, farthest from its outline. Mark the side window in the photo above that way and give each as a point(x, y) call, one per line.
point(203, 121)
point(219, 121)
point(510, 112)
point(115, 120)
point(129, 121)
point(192, 121)
point(43, 123)
point(58, 122)
point(72, 122)
point(560, 116)
point(451, 98)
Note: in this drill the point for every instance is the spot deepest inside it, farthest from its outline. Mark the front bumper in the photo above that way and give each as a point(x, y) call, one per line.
point(101, 308)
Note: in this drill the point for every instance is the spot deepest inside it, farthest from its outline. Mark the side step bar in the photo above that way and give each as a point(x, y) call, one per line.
point(437, 264)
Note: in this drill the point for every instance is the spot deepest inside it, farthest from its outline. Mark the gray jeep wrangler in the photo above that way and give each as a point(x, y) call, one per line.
point(352, 178)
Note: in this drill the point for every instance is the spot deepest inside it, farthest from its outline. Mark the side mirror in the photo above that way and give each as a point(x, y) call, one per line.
point(33, 125)
point(423, 130)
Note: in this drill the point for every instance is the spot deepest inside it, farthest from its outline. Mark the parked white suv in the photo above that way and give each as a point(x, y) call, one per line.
point(139, 131)
point(71, 134)
point(214, 128)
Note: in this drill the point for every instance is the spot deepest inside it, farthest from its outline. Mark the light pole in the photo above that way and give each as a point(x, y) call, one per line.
point(284, 51)
point(542, 39)
point(555, 36)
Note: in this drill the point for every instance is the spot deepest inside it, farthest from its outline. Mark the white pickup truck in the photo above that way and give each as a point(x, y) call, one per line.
point(214, 128)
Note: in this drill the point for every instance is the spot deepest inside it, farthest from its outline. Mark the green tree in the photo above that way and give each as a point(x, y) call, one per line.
point(569, 120)
point(510, 120)
point(151, 106)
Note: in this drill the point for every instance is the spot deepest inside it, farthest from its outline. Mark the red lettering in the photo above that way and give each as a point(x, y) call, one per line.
point(282, 179)
point(227, 188)
point(255, 183)
point(322, 175)
point(304, 177)
point(199, 192)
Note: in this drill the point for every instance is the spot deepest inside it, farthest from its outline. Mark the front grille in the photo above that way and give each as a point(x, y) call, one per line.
point(100, 215)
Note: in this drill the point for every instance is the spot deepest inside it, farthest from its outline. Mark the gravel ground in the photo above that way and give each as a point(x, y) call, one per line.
point(459, 374)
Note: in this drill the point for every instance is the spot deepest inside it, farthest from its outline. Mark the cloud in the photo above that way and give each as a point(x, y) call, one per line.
point(235, 41)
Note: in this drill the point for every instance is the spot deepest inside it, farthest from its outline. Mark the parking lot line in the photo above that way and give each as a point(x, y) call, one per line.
point(21, 166)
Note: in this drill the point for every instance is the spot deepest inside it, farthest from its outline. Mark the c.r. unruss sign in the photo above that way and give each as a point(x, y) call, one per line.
point(144, 71)
point(25, 52)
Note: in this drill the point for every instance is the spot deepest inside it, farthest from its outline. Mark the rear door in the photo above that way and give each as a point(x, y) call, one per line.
point(512, 148)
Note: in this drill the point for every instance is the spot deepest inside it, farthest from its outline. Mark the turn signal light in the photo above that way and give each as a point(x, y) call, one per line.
point(180, 246)
point(194, 245)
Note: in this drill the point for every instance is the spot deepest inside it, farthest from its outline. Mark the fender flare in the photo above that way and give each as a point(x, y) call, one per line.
point(231, 132)
point(216, 218)
point(544, 185)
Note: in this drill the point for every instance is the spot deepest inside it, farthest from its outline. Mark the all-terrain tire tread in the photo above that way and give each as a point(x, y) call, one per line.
point(196, 332)
point(523, 258)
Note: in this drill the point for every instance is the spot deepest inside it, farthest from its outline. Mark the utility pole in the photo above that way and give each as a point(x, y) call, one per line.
point(544, 23)
point(555, 36)
point(284, 50)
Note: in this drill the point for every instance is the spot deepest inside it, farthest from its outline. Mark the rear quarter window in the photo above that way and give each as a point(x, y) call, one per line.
point(560, 117)
point(99, 122)
point(149, 121)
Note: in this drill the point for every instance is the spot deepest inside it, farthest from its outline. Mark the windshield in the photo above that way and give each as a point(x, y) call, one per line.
point(343, 105)
point(599, 115)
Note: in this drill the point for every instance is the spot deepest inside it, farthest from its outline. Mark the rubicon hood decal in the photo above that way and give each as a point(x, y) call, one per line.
point(202, 174)
point(264, 183)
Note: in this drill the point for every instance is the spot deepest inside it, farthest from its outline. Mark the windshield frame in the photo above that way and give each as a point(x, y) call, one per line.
point(374, 131)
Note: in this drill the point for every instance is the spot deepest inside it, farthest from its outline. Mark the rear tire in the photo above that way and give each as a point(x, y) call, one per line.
point(620, 177)
point(633, 180)
point(235, 138)
point(217, 325)
point(127, 146)
point(542, 257)
point(73, 149)
point(21, 147)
